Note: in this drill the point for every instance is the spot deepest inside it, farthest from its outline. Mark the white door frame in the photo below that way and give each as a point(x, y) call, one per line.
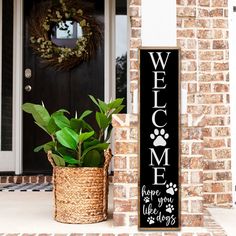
point(109, 86)
point(232, 73)
point(17, 81)
point(7, 158)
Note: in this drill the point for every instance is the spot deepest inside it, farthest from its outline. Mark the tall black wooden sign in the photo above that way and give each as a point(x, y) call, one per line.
point(159, 207)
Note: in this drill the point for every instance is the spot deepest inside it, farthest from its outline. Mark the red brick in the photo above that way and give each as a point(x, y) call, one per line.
point(3, 179)
point(135, 22)
point(218, 12)
point(119, 191)
point(207, 176)
point(133, 163)
point(223, 153)
point(203, 23)
point(212, 55)
point(119, 219)
point(210, 98)
point(203, 13)
point(125, 177)
point(220, 44)
point(191, 191)
point(125, 205)
point(133, 220)
point(186, 33)
point(219, 3)
point(209, 198)
point(221, 66)
point(191, 220)
point(205, 87)
point(220, 23)
point(126, 148)
point(191, 133)
point(186, 11)
point(221, 87)
point(120, 162)
point(223, 176)
point(221, 110)
point(214, 143)
point(204, 34)
point(196, 206)
point(212, 121)
point(197, 148)
point(214, 165)
point(134, 11)
point(189, 76)
point(199, 109)
point(205, 3)
point(222, 131)
point(187, 55)
point(224, 198)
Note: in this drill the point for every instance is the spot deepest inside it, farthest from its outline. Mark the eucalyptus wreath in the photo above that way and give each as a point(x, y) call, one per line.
point(62, 57)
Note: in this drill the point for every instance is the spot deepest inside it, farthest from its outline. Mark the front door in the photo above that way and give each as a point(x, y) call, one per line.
point(56, 89)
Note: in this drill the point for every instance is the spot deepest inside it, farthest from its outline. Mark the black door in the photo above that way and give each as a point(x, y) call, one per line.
point(56, 89)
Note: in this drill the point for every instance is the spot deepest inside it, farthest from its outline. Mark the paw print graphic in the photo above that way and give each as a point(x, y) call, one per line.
point(169, 208)
point(159, 137)
point(146, 200)
point(150, 220)
point(171, 188)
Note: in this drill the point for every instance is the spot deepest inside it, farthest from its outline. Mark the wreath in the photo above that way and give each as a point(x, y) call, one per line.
point(42, 27)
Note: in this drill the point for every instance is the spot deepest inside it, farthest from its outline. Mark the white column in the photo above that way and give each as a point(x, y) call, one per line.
point(158, 23)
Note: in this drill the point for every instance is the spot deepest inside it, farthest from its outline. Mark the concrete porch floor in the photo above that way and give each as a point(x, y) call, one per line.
point(32, 213)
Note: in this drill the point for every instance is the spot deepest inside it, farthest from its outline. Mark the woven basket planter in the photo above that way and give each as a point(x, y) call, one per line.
point(81, 194)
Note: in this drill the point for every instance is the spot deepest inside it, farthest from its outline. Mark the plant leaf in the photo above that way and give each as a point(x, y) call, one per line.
point(52, 128)
point(116, 103)
point(84, 114)
point(84, 136)
point(102, 120)
point(70, 160)
point(92, 159)
point(103, 106)
point(61, 120)
point(39, 113)
point(99, 147)
point(59, 161)
point(77, 125)
point(42, 127)
point(68, 138)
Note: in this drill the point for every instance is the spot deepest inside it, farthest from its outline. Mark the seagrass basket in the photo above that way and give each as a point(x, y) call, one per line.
point(81, 194)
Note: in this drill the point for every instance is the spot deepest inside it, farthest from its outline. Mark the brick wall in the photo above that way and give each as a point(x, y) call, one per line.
point(202, 35)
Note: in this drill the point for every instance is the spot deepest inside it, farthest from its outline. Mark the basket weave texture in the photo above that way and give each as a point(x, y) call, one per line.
point(81, 194)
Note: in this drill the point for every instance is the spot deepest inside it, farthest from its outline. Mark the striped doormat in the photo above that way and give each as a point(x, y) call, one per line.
point(26, 187)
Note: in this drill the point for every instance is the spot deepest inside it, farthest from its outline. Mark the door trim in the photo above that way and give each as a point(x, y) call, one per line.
point(7, 158)
point(17, 81)
point(109, 75)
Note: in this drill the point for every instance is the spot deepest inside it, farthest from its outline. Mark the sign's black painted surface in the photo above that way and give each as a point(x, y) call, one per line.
point(159, 139)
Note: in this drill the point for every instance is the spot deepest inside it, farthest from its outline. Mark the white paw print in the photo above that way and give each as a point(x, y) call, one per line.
point(150, 220)
point(169, 208)
point(159, 137)
point(171, 188)
point(146, 200)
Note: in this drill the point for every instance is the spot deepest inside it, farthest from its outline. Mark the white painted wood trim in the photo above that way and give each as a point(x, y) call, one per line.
point(17, 81)
point(232, 73)
point(0, 72)
point(6, 157)
point(109, 47)
point(129, 104)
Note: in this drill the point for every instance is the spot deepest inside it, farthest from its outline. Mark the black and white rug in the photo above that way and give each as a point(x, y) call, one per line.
point(26, 187)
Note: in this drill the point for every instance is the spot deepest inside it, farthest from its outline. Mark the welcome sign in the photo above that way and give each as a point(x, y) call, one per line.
point(159, 207)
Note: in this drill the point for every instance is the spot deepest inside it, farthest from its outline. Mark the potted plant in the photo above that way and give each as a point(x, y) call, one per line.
point(80, 158)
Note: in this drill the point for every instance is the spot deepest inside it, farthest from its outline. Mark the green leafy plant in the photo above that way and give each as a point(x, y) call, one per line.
point(74, 142)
